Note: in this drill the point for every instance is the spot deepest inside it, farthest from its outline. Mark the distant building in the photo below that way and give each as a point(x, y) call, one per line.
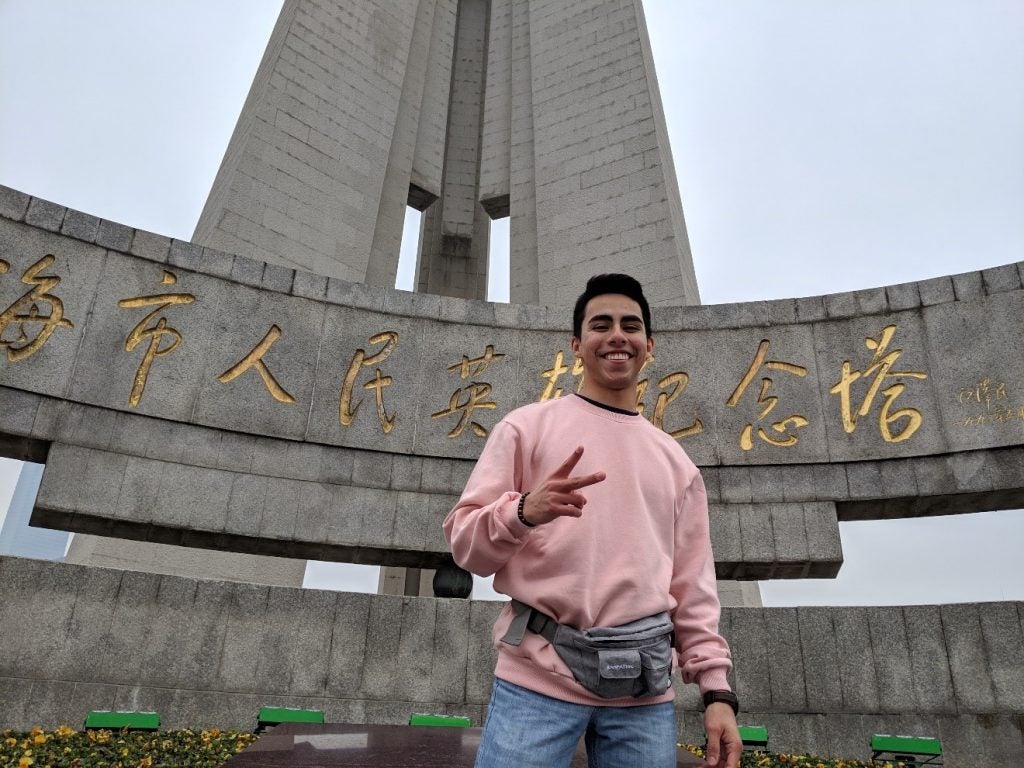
point(17, 537)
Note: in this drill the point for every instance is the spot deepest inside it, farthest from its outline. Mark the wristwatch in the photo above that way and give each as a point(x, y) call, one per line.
point(726, 697)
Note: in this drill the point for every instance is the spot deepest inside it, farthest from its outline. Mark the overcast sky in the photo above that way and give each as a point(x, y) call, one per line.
point(819, 146)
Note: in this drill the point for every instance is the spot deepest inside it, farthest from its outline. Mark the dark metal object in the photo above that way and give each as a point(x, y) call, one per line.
point(452, 581)
point(304, 745)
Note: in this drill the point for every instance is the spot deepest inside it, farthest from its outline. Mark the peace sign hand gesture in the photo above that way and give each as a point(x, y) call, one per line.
point(558, 495)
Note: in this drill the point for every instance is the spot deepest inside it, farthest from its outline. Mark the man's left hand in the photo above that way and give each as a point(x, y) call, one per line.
point(724, 744)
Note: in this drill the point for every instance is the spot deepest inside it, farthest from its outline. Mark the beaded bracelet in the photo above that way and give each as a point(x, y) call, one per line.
point(519, 512)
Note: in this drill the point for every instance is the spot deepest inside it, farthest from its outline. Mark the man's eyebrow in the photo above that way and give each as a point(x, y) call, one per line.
point(608, 319)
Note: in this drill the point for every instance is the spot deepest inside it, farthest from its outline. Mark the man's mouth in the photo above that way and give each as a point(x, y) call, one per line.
point(617, 356)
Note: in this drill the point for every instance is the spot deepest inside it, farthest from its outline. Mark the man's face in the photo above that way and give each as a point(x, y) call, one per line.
point(614, 344)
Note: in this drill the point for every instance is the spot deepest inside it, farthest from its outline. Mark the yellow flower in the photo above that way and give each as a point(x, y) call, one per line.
point(64, 731)
point(10, 742)
point(25, 762)
point(146, 762)
point(39, 738)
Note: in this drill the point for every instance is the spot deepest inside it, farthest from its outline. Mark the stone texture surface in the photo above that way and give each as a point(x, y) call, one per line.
point(207, 653)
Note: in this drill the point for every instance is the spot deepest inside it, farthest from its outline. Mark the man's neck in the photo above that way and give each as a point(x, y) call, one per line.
point(624, 399)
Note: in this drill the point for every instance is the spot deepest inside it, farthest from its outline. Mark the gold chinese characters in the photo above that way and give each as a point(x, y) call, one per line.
point(881, 367)
point(30, 324)
point(153, 332)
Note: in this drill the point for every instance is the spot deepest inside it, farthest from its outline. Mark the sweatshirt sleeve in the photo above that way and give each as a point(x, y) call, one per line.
point(703, 653)
point(483, 530)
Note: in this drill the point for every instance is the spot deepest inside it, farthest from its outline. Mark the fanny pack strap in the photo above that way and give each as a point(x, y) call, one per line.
point(527, 618)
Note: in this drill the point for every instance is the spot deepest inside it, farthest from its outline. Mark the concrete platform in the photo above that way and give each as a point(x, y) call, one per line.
point(332, 745)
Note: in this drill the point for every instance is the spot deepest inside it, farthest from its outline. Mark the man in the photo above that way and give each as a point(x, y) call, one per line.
point(589, 516)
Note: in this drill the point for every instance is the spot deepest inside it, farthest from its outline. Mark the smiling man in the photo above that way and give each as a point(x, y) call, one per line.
point(595, 523)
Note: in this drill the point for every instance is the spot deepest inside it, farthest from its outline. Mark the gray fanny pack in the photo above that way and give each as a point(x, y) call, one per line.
point(633, 659)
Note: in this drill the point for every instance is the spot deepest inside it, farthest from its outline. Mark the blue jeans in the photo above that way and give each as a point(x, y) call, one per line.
point(528, 730)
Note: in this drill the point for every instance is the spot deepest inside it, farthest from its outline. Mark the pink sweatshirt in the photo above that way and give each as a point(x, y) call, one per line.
point(640, 547)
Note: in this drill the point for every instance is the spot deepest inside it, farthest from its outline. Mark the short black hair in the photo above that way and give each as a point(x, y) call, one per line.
point(599, 285)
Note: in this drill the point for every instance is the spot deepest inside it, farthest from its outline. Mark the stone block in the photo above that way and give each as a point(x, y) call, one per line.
point(897, 478)
point(75, 267)
point(115, 236)
point(871, 301)
point(725, 533)
point(756, 539)
point(197, 655)
point(830, 483)
point(247, 271)
point(852, 341)
point(734, 484)
point(450, 645)
point(481, 655)
point(929, 663)
point(186, 255)
point(382, 648)
point(820, 653)
point(979, 739)
point(810, 309)
point(735, 360)
point(151, 246)
point(968, 286)
point(348, 414)
point(968, 658)
point(858, 678)
point(841, 305)
point(19, 413)
point(1002, 632)
point(785, 661)
point(824, 545)
point(80, 226)
point(244, 618)
point(270, 397)
point(789, 533)
point(122, 660)
point(749, 642)
point(891, 652)
point(217, 263)
point(45, 215)
point(1001, 279)
point(903, 296)
point(782, 312)
point(277, 278)
point(13, 204)
point(347, 650)
point(309, 286)
point(279, 627)
point(797, 481)
point(937, 290)
point(48, 701)
point(768, 484)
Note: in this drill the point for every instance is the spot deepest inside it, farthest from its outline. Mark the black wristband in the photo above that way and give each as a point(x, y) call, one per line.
point(519, 512)
point(726, 697)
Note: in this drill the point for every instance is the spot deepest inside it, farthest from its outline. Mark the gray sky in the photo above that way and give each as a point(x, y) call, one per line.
point(819, 146)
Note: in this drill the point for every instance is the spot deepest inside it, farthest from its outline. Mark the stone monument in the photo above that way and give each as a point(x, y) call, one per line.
point(183, 393)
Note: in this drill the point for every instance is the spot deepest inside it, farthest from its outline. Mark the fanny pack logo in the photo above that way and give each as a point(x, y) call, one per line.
point(621, 666)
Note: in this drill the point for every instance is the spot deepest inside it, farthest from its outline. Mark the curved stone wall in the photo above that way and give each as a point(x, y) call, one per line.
point(182, 395)
point(207, 653)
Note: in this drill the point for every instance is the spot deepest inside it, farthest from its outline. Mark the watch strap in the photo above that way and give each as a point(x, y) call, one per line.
point(726, 697)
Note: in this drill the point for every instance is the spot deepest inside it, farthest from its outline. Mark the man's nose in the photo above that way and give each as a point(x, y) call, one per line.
point(617, 333)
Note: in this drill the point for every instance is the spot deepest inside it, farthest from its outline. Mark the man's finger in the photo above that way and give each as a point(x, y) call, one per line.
point(568, 464)
point(574, 483)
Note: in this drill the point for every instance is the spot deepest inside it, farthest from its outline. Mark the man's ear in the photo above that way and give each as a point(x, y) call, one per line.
point(575, 345)
point(650, 345)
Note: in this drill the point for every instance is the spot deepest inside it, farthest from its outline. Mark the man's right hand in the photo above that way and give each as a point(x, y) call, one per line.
point(558, 495)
